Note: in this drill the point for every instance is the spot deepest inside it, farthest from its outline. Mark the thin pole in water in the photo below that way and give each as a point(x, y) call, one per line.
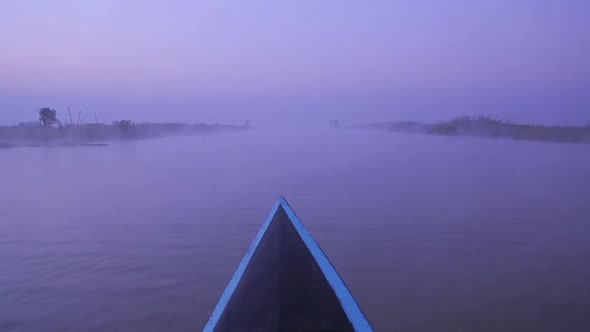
point(78, 125)
point(70, 113)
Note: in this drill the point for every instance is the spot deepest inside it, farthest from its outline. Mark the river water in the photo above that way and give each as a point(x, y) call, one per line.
point(429, 233)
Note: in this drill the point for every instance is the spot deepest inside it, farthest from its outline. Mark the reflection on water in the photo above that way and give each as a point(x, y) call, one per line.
point(429, 233)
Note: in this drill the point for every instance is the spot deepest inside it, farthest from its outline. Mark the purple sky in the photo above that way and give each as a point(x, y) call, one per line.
point(358, 61)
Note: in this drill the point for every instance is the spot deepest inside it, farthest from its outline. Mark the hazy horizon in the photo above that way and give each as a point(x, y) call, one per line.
point(296, 62)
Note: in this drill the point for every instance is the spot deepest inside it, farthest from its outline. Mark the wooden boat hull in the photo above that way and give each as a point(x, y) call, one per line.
point(286, 283)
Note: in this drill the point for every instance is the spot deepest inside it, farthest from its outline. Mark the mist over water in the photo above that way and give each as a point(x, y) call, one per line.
point(429, 233)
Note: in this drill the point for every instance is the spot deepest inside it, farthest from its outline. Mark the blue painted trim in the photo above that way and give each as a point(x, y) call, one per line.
point(353, 312)
point(233, 283)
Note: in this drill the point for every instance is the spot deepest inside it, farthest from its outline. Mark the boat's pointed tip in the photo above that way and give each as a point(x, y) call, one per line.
point(282, 201)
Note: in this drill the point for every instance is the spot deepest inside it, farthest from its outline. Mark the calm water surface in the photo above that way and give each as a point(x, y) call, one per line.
point(429, 233)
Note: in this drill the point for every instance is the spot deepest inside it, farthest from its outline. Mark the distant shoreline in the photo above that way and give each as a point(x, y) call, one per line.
point(488, 127)
point(96, 135)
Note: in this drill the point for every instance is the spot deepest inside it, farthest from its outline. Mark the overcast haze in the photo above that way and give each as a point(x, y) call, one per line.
point(358, 61)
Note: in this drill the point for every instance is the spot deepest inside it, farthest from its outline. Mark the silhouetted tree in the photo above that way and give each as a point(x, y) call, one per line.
point(47, 116)
point(126, 128)
point(124, 125)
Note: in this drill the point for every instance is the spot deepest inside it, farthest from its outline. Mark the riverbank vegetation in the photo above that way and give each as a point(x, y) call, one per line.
point(490, 127)
point(49, 131)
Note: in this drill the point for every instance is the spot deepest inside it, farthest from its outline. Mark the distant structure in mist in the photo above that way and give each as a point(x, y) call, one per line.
point(334, 123)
